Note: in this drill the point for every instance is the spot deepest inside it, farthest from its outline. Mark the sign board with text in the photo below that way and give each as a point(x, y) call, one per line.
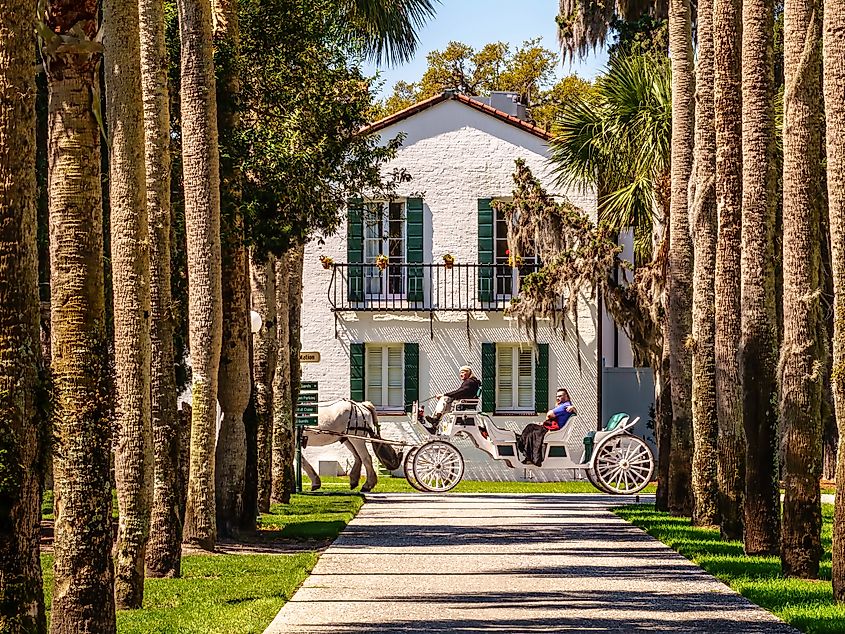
point(310, 356)
point(305, 421)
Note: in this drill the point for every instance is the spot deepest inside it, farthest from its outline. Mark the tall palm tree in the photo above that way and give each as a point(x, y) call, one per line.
point(679, 278)
point(265, 342)
point(201, 174)
point(703, 218)
point(22, 416)
point(283, 438)
point(758, 345)
point(727, 29)
point(83, 595)
point(834, 103)
point(802, 352)
point(234, 377)
point(133, 462)
point(164, 549)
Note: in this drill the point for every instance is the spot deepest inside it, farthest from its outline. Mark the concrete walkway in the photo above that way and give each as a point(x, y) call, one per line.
point(509, 563)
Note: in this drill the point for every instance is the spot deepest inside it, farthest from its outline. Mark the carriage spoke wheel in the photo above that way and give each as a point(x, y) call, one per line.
point(591, 476)
point(624, 464)
point(438, 466)
point(408, 467)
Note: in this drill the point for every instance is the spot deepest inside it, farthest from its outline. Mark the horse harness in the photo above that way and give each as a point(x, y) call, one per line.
point(357, 421)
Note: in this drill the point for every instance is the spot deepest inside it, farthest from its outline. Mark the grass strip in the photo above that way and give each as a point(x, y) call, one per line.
point(807, 605)
point(236, 594)
point(389, 484)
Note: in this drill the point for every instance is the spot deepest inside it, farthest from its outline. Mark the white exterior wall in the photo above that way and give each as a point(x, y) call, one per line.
point(455, 155)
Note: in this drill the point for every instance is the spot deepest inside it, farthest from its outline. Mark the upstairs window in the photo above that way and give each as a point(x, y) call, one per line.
point(385, 235)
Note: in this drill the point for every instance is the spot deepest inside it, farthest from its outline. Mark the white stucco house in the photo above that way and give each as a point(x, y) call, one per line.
point(399, 334)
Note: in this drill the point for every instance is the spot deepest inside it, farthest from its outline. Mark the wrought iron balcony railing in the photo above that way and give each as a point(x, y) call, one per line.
point(424, 287)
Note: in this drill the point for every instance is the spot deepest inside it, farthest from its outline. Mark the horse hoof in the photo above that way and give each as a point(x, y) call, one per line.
point(366, 489)
point(314, 487)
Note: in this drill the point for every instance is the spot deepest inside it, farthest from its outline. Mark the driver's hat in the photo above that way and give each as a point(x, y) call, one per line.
point(465, 368)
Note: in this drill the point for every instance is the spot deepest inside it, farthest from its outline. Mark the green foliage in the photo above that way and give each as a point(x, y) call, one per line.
point(642, 36)
point(298, 147)
point(617, 141)
point(805, 604)
point(528, 70)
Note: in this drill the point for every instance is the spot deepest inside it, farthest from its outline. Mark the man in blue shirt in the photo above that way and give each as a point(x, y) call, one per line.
point(558, 417)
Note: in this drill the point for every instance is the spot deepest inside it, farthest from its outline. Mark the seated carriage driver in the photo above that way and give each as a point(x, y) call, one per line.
point(530, 441)
point(468, 389)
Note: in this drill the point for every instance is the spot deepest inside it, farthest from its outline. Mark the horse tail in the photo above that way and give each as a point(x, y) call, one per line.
point(384, 452)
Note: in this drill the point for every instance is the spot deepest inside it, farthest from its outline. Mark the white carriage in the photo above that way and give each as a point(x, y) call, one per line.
point(614, 460)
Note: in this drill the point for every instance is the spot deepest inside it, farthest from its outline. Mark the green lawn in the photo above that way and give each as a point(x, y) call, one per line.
point(387, 484)
point(806, 605)
point(235, 594)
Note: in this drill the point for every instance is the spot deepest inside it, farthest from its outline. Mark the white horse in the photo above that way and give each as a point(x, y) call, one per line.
point(357, 421)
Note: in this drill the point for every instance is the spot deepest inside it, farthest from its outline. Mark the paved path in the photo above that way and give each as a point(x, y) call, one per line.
point(509, 563)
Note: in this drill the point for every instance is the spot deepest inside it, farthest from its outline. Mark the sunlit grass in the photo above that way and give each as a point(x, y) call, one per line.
point(387, 484)
point(236, 594)
point(805, 604)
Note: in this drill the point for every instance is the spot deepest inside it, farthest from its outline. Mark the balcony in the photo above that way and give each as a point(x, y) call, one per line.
point(409, 287)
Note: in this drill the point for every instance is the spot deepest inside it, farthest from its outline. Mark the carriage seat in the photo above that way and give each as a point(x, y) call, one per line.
point(591, 440)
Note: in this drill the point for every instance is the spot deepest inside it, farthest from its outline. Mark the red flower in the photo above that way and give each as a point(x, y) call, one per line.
point(507, 251)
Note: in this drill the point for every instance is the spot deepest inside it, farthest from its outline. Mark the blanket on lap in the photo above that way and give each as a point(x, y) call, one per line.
point(530, 444)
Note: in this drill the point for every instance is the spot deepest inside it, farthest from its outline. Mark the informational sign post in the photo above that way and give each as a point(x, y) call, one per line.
point(305, 415)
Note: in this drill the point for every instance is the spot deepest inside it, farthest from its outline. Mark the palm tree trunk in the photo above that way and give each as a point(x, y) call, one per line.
point(727, 29)
point(296, 257)
point(834, 102)
point(802, 354)
point(679, 283)
point(703, 216)
point(758, 346)
point(83, 595)
point(164, 549)
point(133, 462)
point(663, 422)
point(234, 388)
point(264, 346)
point(23, 421)
point(283, 437)
point(201, 173)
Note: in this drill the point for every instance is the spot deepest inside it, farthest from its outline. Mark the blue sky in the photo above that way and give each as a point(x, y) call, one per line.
point(478, 22)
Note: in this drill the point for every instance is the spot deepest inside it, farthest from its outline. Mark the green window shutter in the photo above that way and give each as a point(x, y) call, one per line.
point(355, 249)
point(485, 250)
point(488, 377)
point(412, 374)
point(541, 379)
point(414, 227)
point(356, 371)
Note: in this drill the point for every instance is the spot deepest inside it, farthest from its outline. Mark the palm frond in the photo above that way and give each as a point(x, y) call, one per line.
point(385, 31)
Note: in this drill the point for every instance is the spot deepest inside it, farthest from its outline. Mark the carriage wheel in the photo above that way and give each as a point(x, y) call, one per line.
point(591, 476)
point(624, 464)
point(438, 466)
point(408, 467)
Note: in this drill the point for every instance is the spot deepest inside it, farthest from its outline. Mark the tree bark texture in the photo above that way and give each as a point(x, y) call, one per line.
point(663, 422)
point(234, 385)
point(230, 470)
point(264, 351)
point(23, 397)
point(679, 283)
point(758, 341)
point(834, 102)
point(283, 433)
point(296, 260)
point(702, 203)
point(164, 549)
point(130, 258)
point(727, 35)
point(802, 354)
point(201, 174)
point(83, 592)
